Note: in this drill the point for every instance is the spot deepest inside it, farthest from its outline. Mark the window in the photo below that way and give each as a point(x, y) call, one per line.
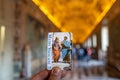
point(85, 44)
point(94, 39)
point(104, 38)
point(89, 42)
point(2, 36)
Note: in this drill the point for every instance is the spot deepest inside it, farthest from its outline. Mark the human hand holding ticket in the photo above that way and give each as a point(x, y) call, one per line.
point(54, 74)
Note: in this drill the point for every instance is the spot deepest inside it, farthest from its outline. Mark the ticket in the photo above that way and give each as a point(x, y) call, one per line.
point(59, 50)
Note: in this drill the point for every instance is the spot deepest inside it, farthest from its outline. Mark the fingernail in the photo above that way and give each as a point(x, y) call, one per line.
point(56, 71)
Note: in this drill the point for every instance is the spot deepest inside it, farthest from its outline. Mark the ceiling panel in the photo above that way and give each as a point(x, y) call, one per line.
point(77, 16)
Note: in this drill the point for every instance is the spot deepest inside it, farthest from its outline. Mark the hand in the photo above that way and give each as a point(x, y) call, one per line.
point(54, 74)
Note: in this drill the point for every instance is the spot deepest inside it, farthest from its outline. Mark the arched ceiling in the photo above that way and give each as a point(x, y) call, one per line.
point(77, 16)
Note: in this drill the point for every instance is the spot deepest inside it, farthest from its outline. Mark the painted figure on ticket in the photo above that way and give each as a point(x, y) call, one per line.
point(56, 49)
point(66, 49)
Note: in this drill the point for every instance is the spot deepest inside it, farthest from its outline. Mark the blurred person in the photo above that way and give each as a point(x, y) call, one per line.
point(66, 48)
point(80, 53)
point(100, 54)
point(77, 55)
point(74, 56)
point(74, 53)
point(26, 61)
point(89, 53)
point(54, 74)
point(78, 68)
point(94, 54)
point(56, 46)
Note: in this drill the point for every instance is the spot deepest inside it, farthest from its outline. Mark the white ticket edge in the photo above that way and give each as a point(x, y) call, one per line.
point(49, 51)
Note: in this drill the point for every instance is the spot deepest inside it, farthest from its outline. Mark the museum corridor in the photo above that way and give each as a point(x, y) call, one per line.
point(94, 24)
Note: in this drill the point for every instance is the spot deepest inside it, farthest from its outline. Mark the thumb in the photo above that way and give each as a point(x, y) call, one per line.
point(55, 74)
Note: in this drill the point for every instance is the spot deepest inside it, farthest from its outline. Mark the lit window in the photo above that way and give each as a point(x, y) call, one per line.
point(85, 44)
point(89, 42)
point(2, 36)
point(104, 38)
point(94, 38)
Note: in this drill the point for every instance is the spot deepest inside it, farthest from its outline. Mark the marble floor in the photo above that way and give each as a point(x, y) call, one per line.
point(86, 70)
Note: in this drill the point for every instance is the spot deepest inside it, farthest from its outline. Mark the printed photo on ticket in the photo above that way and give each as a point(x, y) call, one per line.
point(59, 50)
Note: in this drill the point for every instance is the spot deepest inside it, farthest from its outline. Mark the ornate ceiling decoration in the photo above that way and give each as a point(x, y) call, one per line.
point(77, 16)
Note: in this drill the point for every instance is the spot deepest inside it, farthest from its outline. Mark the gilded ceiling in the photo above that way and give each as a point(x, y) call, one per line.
point(77, 16)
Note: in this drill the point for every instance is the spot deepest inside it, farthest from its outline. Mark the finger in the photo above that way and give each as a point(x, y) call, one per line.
point(56, 74)
point(41, 75)
point(63, 73)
